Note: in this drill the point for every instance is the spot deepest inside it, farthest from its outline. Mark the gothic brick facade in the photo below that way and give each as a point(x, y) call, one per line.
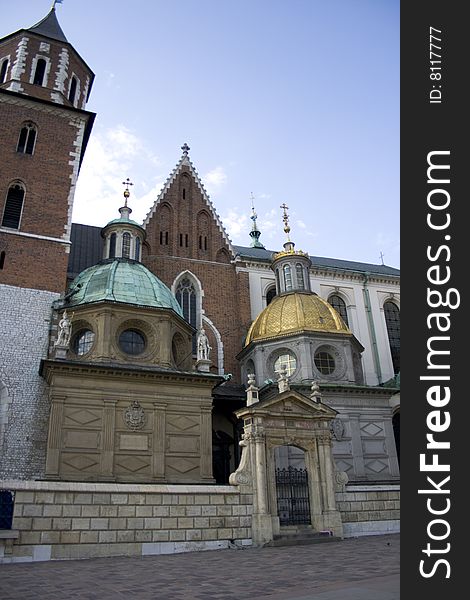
point(184, 234)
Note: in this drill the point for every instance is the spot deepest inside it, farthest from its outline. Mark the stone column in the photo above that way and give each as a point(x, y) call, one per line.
point(326, 468)
point(315, 491)
point(262, 525)
point(206, 442)
point(54, 439)
point(158, 445)
point(108, 432)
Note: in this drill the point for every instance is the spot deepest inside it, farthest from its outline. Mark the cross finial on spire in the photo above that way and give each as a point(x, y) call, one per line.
point(285, 218)
point(382, 257)
point(254, 216)
point(127, 193)
point(185, 148)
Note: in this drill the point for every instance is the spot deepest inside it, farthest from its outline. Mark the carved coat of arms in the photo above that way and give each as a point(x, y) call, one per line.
point(134, 416)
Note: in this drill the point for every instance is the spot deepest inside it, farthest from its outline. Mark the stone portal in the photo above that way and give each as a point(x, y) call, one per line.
point(289, 419)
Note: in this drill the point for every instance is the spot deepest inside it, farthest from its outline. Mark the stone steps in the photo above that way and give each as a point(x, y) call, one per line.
point(297, 536)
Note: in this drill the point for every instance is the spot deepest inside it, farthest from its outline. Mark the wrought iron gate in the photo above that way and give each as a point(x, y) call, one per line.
point(292, 496)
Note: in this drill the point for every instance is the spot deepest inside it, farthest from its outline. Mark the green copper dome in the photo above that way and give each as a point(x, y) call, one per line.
point(121, 280)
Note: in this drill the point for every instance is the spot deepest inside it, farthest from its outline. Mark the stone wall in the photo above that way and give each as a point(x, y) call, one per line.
point(24, 415)
point(369, 509)
point(61, 520)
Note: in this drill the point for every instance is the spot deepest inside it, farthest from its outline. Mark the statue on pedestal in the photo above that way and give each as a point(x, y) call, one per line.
point(65, 331)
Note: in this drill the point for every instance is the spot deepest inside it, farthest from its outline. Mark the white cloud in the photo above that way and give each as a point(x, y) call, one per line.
point(113, 155)
point(215, 179)
point(236, 224)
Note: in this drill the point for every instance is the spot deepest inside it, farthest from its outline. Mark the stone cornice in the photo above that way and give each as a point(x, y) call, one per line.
point(50, 366)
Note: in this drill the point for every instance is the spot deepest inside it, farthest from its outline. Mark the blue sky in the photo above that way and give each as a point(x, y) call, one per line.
point(294, 101)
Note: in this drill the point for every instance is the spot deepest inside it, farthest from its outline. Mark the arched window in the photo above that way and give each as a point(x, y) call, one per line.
point(300, 276)
point(3, 70)
point(278, 284)
point(13, 206)
point(270, 294)
point(126, 244)
point(112, 246)
point(392, 320)
point(287, 278)
point(137, 248)
point(73, 89)
point(186, 296)
point(27, 139)
point(340, 306)
point(40, 72)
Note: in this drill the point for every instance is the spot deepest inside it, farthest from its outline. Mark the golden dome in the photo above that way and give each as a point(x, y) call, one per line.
point(294, 313)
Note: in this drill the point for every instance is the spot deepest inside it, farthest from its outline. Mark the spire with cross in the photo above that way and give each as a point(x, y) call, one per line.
point(285, 218)
point(127, 193)
point(254, 233)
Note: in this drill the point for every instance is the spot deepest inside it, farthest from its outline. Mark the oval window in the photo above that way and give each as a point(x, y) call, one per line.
point(285, 361)
point(132, 342)
point(324, 362)
point(83, 341)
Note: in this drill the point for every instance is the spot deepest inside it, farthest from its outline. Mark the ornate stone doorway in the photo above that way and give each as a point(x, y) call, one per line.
point(273, 426)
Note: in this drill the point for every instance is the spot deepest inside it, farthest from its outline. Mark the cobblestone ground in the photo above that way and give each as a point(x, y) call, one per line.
point(355, 569)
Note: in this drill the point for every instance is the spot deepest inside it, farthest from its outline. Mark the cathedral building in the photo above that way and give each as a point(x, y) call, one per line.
point(160, 353)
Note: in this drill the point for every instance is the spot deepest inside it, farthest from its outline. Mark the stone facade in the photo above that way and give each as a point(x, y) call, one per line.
point(59, 520)
point(26, 317)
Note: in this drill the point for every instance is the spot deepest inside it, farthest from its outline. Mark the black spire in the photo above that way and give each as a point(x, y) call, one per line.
point(49, 27)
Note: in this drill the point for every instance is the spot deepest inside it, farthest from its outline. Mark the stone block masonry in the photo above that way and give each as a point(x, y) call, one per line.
point(25, 318)
point(369, 509)
point(62, 520)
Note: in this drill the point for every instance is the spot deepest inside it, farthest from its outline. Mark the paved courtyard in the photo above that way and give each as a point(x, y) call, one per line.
point(354, 569)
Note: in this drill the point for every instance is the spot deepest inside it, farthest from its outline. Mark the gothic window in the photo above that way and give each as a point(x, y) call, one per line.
point(186, 296)
point(112, 246)
point(73, 89)
point(340, 306)
point(27, 139)
point(3, 70)
point(184, 193)
point(300, 276)
point(126, 245)
point(13, 206)
point(40, 72)
point(137, 248)
point(392, 320)
point(287, 278)
point(270, 294)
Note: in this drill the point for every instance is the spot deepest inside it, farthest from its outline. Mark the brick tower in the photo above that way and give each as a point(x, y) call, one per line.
point(44, 129)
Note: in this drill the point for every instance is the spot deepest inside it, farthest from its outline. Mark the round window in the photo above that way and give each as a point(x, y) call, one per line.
point(324, 362)
point(132, 342)
point(285, 361)
point(83, 341)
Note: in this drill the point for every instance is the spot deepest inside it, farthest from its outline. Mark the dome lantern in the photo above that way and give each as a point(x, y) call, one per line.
point(123, 237)
point(291, 266)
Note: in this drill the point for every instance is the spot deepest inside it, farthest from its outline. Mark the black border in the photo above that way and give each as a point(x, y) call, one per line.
point(427, 127)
